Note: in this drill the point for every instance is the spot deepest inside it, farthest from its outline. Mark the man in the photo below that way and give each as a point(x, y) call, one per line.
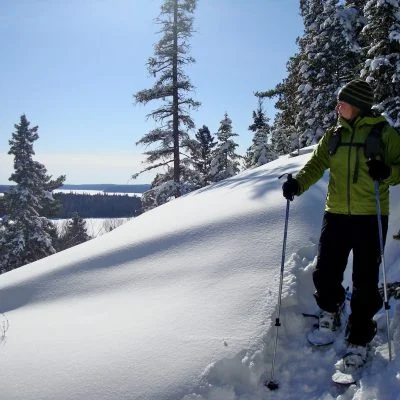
point(350, 219)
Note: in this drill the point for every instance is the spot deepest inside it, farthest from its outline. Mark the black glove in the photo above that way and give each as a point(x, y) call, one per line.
point(290, 188)
point(378, 170)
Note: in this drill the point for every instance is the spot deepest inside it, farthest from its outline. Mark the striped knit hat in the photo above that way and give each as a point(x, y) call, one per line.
point(357, 93)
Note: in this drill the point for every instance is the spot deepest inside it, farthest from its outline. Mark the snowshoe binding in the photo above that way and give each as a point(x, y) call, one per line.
point(326, 331)
point(349, 369)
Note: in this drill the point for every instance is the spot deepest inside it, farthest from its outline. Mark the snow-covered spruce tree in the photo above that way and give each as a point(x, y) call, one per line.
point(357, 4)
point(171, 54)
point(225, 162)
point(201, 154)
point(305, 99)
point(26, 235)
point(161, 191)
point(353, 21)
point(163, 186)
point(294, 92)
point(382, 67)
point(260, 152)
point(331, 57)
point(73, 233)
point(284, 137)
point(311, 11)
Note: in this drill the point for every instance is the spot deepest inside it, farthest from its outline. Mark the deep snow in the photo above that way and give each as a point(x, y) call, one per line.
point(179, 304)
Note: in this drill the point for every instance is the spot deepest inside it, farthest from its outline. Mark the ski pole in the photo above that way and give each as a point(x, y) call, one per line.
point(272, 384)
point(385, 296)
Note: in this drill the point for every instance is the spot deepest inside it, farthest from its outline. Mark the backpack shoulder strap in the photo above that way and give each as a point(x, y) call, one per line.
point(373, 144)
point(334, 140)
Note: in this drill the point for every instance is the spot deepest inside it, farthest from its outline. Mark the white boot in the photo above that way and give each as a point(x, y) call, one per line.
point(328, 322)
point(326, 331)
point(354, 359)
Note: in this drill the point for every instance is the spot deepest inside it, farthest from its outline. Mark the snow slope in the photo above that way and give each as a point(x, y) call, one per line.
point(179, 304)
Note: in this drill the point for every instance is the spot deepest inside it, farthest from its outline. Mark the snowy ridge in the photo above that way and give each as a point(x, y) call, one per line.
point(180, 303)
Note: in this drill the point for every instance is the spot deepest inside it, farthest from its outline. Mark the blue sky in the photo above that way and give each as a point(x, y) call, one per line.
point(73, 66)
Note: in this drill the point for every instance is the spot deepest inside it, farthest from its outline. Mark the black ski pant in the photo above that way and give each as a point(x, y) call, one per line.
point(339, 235)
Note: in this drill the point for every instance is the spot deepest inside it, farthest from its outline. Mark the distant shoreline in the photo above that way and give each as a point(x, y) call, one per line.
point(104, 187)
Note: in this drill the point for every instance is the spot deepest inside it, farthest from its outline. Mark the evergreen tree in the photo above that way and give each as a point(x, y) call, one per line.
point(74, 233)
point(284, 137)
point(161, 191)
point(163, 187)
point(330, 54)
point(25, 235)
point(295, 94)
point(201, 151)
point(260, 152)
point(353, 21)
point(357, 4)
point(382, 67)
point(225, 162)
point(170, 90)
point(51, 206)
point(307, 70)
point(329, 57)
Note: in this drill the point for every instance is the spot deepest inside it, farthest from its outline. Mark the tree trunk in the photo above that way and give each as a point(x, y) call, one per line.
point(175, 99)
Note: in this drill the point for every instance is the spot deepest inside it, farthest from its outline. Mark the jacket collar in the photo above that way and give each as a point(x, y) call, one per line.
point(360, 121)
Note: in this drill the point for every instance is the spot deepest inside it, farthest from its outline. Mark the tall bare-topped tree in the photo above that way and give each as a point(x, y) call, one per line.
point(171, 88)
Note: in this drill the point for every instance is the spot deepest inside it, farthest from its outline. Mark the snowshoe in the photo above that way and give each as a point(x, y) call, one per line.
point(349, 369)
point(326, 331)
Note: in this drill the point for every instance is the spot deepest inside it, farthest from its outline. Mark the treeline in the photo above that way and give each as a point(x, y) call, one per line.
point(97, 205)
point(108, 187)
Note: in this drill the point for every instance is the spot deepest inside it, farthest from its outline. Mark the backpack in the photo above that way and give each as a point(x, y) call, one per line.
point(372, 145)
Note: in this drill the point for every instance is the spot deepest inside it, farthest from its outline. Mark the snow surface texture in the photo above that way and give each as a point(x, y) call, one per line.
point(180, 304)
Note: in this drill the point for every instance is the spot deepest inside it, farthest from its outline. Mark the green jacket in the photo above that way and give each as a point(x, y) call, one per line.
point(351, 190)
